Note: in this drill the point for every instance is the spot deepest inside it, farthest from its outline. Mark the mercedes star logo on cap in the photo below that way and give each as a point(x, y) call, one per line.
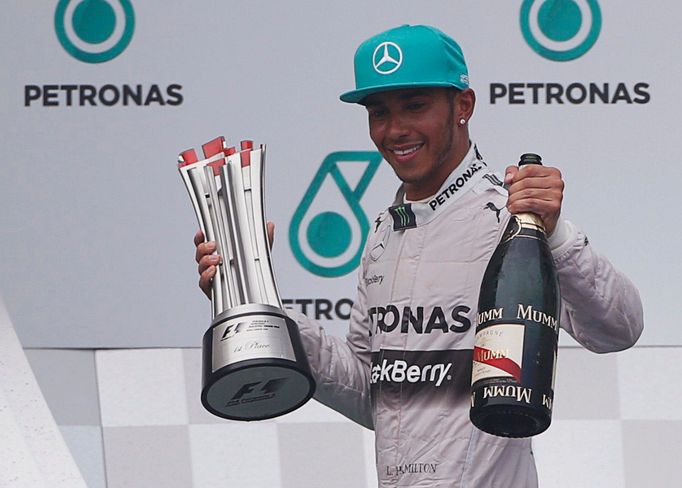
point(387, 58)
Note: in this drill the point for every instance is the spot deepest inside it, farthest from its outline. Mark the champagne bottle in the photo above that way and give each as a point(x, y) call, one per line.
point(517, 329)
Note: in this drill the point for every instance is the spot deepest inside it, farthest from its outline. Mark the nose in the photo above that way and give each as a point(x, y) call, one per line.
point(397, 127)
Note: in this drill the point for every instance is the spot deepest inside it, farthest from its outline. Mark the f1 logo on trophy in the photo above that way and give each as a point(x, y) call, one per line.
point(254, 366)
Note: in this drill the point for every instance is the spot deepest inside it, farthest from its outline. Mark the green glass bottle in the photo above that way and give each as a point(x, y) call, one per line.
point(517, 329)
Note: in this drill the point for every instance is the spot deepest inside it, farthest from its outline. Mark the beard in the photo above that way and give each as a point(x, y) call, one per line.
point(448, 148)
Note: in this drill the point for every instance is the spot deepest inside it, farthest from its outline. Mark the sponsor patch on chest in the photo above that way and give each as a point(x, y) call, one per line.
point(419, 319)
point(399, 371)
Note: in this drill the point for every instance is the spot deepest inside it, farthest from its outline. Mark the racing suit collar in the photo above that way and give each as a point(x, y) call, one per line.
point(408, 215)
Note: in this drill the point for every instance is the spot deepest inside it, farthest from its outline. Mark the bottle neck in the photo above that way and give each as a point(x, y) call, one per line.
point(530, 220)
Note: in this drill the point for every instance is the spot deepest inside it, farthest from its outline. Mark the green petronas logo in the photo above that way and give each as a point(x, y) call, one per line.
point(560, 30)
point(94, 31)
point(328, 242)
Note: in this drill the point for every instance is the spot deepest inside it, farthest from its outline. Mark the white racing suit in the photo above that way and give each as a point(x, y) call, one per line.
point(404, 369)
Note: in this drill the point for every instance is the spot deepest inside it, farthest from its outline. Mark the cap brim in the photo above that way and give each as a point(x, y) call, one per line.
point(356, 96)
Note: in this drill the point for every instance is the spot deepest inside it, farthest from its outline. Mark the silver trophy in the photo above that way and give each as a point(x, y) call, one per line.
point(254, 366)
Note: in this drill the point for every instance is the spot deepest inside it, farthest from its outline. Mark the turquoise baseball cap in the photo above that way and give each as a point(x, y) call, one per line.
point(408, 56)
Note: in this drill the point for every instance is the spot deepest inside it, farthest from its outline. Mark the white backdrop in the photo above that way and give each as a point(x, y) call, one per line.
point(96, 228)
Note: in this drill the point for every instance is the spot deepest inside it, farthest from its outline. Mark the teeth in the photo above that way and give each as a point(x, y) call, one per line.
point(405, 152)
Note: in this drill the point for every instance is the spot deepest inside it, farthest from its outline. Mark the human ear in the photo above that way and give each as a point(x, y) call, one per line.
point(465, 101)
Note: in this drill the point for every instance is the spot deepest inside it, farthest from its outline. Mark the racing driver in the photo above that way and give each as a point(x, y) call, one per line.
point(404, 369)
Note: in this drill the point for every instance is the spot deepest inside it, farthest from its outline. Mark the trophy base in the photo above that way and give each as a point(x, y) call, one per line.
point(254, 366)
point(256, 391)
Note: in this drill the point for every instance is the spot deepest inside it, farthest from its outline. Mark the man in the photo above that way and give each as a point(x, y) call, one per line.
point(421, 273)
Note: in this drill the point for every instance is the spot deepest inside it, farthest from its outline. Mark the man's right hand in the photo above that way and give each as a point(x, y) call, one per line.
point(208, 261)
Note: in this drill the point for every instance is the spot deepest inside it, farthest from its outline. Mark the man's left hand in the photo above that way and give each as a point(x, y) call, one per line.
point(537, 189)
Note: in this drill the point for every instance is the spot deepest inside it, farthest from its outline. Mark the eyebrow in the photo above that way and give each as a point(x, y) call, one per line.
point(412, 93)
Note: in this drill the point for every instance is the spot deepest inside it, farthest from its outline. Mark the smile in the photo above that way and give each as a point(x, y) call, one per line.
point(406, 151)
